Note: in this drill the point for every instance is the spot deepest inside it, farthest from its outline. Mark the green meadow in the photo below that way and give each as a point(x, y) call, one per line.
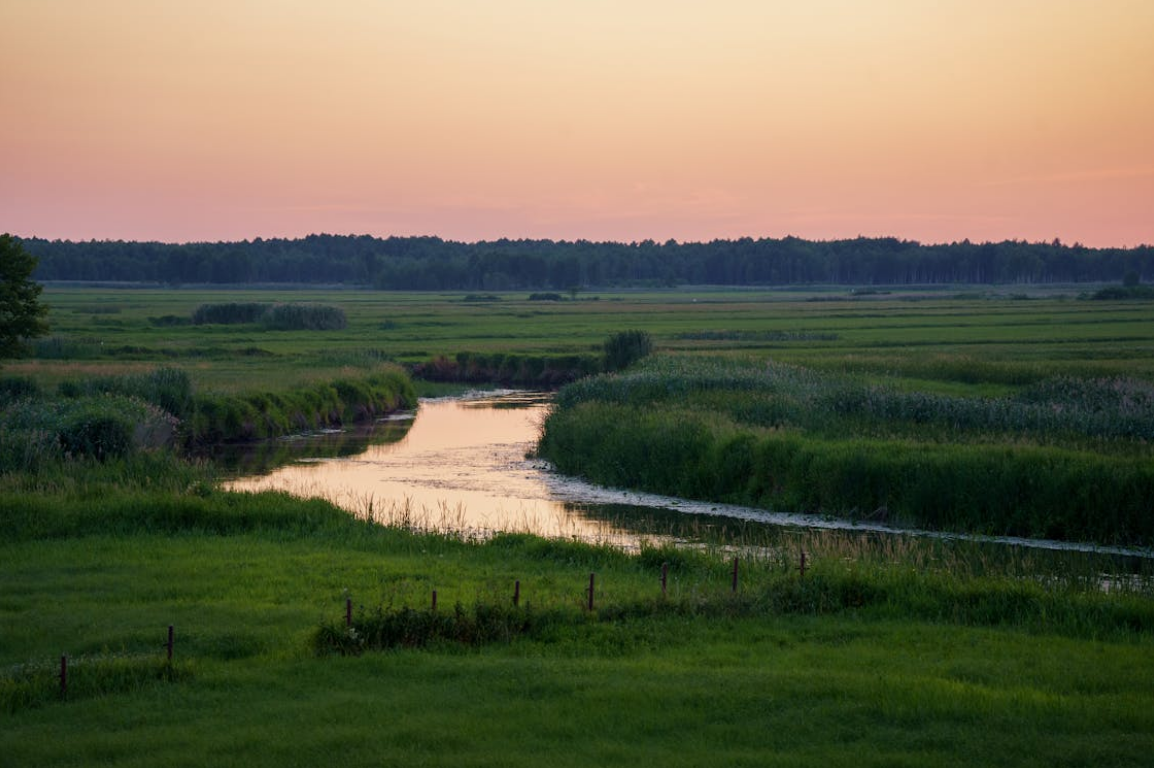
point(887, 652)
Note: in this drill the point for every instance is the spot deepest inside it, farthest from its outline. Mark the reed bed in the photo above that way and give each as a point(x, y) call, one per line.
point(1064, 458)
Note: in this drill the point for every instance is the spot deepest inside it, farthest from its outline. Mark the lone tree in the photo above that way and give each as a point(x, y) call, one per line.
point(21, 313)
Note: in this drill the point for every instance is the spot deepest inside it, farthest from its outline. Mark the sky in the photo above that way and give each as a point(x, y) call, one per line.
point(928, 120)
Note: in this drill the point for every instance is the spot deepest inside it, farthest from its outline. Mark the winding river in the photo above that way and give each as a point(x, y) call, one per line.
point(465, 466)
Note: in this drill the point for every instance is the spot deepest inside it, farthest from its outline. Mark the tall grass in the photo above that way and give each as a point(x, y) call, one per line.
point(257, 415)
point(115, 416)
point(545, 371)
point(229, 313)
point(36, 432)
point(87, 677)
point(1064, 459)
point(281, 317)
point(304, 317)
point(699, 587)
point(1057, 410)
point(165, 387)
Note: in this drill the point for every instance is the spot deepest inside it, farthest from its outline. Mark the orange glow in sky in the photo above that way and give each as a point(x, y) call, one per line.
point(625, 120)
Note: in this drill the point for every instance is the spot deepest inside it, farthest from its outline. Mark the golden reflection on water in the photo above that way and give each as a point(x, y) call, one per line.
point(463, 467)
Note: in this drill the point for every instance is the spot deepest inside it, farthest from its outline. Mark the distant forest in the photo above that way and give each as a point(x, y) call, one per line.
point(430, 263)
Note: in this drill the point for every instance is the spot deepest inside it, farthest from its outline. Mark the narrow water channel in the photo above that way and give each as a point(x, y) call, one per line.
point(465, 466)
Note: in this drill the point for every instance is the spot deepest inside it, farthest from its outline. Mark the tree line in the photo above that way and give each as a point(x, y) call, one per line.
point(431, 263)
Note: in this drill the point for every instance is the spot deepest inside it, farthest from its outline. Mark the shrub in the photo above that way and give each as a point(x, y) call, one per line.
point(97, 432)
point(625, 348)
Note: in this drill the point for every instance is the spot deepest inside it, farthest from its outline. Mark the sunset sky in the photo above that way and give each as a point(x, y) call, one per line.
point(933, 120)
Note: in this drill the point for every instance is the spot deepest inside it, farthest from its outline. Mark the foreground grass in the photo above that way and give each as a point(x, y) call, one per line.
point(248, 580)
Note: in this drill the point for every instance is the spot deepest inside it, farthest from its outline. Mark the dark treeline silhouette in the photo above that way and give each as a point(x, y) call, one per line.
point(430, 263)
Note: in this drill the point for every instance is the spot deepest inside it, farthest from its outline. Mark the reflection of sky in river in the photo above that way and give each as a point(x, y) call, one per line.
point(462, 466)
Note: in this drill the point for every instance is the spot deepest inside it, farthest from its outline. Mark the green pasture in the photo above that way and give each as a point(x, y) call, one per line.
point(932, 336)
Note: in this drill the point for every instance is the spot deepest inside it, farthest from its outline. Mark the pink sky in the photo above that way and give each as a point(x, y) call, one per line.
point(233, 119)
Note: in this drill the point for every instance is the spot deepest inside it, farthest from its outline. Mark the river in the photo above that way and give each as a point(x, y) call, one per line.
point(464, 466)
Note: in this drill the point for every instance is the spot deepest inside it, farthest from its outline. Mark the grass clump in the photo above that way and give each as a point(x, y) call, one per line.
point(229, 313)
point(279, 317)
point(539, 371)
point(39, 432)
point(304, 317)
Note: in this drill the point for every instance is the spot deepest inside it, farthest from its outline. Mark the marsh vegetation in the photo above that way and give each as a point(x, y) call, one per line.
point(897, 649)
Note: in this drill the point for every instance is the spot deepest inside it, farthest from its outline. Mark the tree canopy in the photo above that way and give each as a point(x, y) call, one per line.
point(430, 263)
point(21, 313)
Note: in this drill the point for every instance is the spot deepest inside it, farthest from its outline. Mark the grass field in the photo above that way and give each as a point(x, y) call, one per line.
point(904, 654)
point(933, 337)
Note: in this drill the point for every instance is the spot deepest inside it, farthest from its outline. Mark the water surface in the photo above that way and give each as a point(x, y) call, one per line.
point(461, 464)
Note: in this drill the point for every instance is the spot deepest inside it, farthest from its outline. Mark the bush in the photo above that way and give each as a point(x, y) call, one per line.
point(96, 432)
point(625, 348)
